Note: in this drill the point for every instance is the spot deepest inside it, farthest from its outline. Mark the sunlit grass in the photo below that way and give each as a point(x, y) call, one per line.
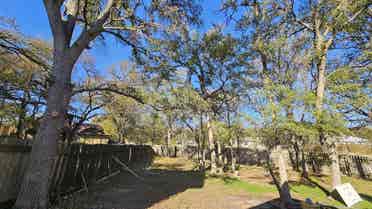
point(248, 186)
point(317, 195)
point(254, 182)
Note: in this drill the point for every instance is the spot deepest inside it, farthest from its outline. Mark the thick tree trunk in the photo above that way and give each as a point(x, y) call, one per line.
point(233, 161)
point(305, 173)
point(321, 49)
point(35, 186)
point(211, 146)
point(291, 158)
point(320, 84)
point(284, 192)
point(220, 163)
point(335, 164)
point(277, 183)
point(198, 150)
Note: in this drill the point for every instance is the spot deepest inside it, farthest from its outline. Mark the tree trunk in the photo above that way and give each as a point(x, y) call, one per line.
point(233, 161)
point(198, 150)
point(21, 119)
point(201, 144)
point(204, 157)
point(219, 154)
point(35, 185)
point(305, 173)
point(237, 150)
point(322, 49)
point(211, 146)
point(269, 167)
point(220, 162)
point(167, 142)
point(321, 66)
point(297, 156)
point(291, 158)
point(335, 164)
point(285, 195)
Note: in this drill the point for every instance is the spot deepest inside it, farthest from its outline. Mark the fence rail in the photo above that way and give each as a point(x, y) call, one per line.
point(317, 162)
point(75, 167)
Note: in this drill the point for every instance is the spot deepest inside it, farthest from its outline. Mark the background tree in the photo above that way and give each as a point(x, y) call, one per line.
point(212, 68)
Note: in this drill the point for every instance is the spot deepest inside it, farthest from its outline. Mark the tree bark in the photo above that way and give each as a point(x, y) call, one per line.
point(35, 186)
point(321, 84)
point(297, 156)
point(305, 173)
point(321, 46)
point(219, 154)
point(202, 143)
point(21, 119)
point(220, 163)
point(335, 164)
point(167, 141)
point(211, 146)
point(285, 195)
point(233, 161)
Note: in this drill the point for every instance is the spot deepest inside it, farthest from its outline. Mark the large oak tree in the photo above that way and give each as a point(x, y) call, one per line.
point(75, 24)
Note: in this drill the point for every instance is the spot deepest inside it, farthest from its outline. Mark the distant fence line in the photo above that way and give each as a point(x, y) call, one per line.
point(76, 166)
point(350, 165)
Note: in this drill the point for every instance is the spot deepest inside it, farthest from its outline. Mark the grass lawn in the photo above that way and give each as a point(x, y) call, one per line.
point(301, 190)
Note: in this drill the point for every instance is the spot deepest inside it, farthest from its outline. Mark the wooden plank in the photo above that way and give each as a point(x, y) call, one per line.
point(14, 148)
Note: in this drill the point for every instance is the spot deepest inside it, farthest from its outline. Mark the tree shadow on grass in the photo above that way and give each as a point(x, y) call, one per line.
point(366, 197)
point(311, 182)
point(129, 192)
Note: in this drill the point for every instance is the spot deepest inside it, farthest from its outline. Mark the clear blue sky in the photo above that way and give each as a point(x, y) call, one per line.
point(32, 21)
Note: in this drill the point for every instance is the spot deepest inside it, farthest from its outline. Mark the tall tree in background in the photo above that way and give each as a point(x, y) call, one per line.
point(212, 66)
point(130, 22)
point(264, 29)
point(24, 66)
point(331, 25)
point(326, 25)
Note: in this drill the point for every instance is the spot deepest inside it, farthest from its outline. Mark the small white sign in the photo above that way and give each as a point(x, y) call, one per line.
point(348, 194)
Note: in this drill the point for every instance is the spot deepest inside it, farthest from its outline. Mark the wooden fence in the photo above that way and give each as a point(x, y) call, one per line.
point(350, 165)
point(317, 162)
point(356, 165)
point(76, 167)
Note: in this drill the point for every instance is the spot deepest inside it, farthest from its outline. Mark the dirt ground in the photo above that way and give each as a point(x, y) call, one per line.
point(175, 183)
point(168, 184)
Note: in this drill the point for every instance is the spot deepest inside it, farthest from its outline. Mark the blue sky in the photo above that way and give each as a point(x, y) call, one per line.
point(32, 21)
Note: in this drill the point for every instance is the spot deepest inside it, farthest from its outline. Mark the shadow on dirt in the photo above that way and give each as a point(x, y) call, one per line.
point(130, 192)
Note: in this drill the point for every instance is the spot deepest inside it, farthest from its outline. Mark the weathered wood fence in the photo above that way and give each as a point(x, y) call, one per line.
point(350, 164)
point(245, 156)
point(76, 167)
point(317, 162)
point(356, 165)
